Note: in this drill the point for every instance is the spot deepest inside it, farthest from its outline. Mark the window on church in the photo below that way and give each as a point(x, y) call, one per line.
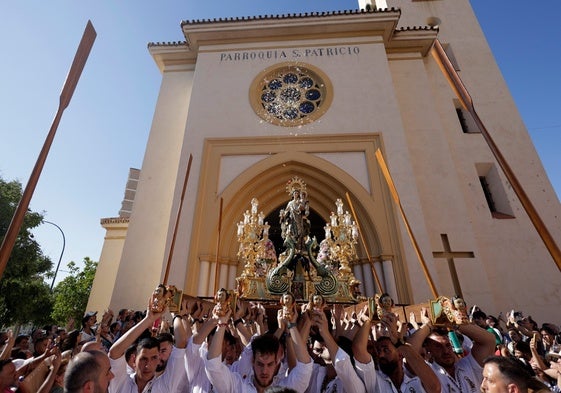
point(494, 191)
point(466, 120)
point(290, 94)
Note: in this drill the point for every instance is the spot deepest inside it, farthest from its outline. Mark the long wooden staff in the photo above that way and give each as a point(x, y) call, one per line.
point(364, 244)
point(172, 246)
point(395, 196)
point(459, 88)
point(72, 78)
point(218, 246)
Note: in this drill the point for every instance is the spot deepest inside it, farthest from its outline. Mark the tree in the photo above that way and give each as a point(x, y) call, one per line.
point(71, 294)
point(24, 294)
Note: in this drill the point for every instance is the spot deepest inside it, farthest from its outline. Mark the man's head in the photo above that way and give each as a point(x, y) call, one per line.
point(91, 346)
point(122, 314)
point(522, 350)
point(147, 358)
point(40, 345)
point(514, 335)
point(88, 371)
point(130, 356)
point(89, 319)
point(548, 335)
point(389, 358)
point(439, 349)
point(507, 375)
point(229, 349)
point(265, 359)
point(320, 354)
point(166, 345)
point(7, 374)
point(480, 319)
point(115, 328)
point(22, 342)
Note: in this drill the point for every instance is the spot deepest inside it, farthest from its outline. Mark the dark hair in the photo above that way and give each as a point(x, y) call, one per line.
point(229, 338)
point(265, 344)
point(523, 347)
point(478, 314)
point(513, 371)
point(147, 343)
point(129, 352)
point(546, 328)
point(70, 341)
point(3, 362)
point(82, 368)
point(113, 326)
point(437, 331)
point(164, 337)
point(20, 338)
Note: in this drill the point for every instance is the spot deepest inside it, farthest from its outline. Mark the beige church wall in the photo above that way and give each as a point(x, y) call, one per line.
point(144, 254)
point(510, 252)
point(106, 273)
point(433, 167)
point(490, 94)
point(237, 118)
point(361, 90)
point(402, 105)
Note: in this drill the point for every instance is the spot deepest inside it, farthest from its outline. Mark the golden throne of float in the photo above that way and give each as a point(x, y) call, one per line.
point(303, 267)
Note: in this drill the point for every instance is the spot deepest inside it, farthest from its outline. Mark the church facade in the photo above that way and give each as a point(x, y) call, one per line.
point(248, 104)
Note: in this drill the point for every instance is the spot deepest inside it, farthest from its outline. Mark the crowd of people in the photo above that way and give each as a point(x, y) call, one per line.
point(311, 347)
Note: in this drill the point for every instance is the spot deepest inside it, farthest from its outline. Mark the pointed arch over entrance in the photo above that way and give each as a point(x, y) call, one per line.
point(262, 173)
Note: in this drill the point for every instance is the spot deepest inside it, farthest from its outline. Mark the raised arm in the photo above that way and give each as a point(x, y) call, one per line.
point(126, 340)
point(420, 368)
point(416, 339)
point(49, 381)
point(8, 346)
point(360, 343)
point(300, 348)
point(215, 348)
point(483, 341)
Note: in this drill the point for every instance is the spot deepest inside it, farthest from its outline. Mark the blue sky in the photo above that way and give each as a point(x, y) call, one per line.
point(104, 130)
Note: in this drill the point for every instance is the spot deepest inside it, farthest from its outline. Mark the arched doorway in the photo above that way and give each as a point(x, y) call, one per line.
point(265, 179)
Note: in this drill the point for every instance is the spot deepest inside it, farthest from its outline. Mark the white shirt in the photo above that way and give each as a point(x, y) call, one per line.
point(226, 381)
point(194, 355)
point(467, 379)
point(377, 381)
point(165, 383)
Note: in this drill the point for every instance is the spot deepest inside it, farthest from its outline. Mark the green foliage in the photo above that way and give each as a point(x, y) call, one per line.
point(24, 295)
point(71, 294)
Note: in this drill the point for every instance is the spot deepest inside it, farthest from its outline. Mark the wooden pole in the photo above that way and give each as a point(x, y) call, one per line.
point(172, 246)
point(68, 88)
point(218, 246)
point(395, 196)
point(364, 244)
point(458, 86)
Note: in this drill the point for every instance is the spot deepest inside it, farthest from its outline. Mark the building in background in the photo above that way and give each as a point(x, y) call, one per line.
point(258, 101)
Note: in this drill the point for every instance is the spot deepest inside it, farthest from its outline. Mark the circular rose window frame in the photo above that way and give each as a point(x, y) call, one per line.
point(293, 96)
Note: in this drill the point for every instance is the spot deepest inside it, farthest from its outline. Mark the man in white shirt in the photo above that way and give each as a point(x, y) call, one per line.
point(88, 372)
point(147, 359)
point(392, 376)
point(456, 375)
point(265, 363)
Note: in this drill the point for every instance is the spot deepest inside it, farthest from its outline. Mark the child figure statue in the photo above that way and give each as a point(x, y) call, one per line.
point(222, 299)
point(385, 304)
point(161, 298)
point(316, 303)
point(288, 303)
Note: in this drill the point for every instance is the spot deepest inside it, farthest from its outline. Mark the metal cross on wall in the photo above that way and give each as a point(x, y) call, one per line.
point(450, 255)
